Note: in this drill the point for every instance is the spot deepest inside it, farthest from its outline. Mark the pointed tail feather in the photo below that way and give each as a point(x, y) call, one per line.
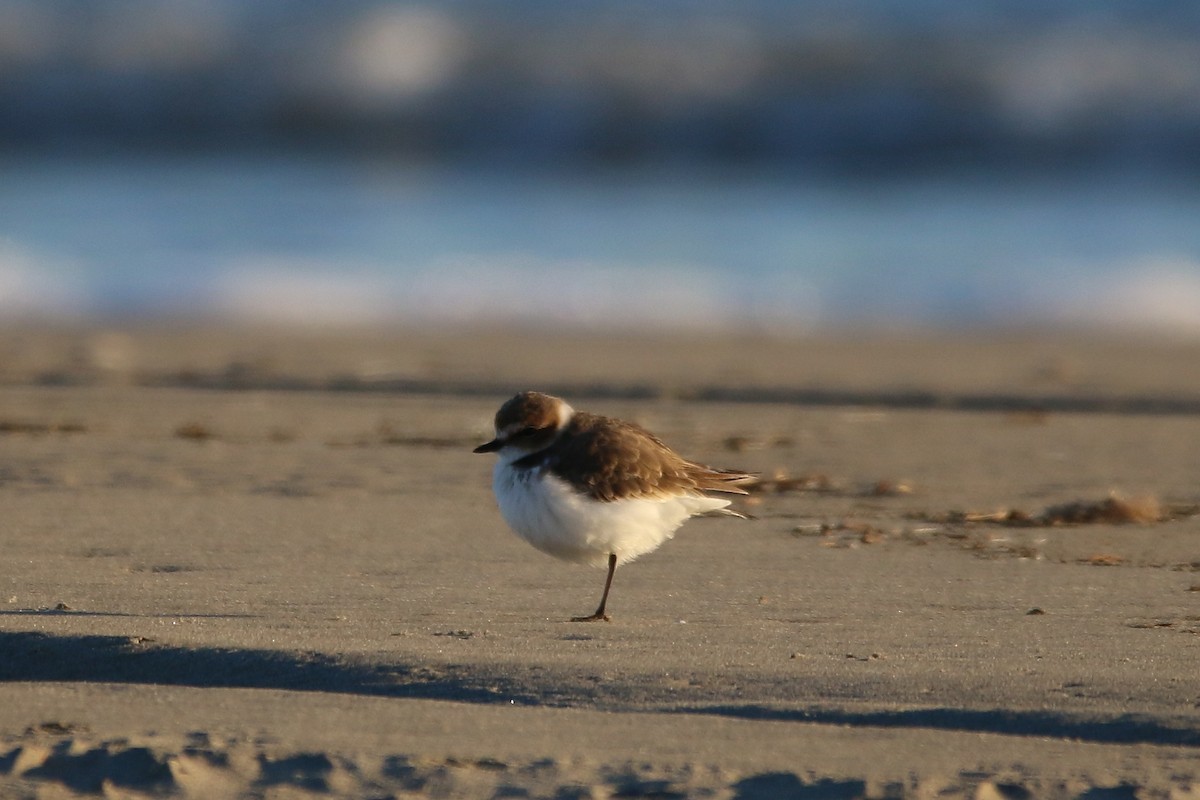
point(723, 480)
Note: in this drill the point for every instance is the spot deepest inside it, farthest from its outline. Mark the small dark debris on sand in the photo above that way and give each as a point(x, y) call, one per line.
point(54, 728)
point(387, 435)
point(741, 444)
point(1112, 510)
point(194, 431)
point(843, 533)
point(13, 426)
point(889, 488)
point(780, 482)
point(1104, 560)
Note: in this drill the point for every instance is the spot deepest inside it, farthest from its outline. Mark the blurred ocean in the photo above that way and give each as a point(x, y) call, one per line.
point(768, 164)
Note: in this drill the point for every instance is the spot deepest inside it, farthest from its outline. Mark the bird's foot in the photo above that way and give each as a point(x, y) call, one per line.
point(597, 617)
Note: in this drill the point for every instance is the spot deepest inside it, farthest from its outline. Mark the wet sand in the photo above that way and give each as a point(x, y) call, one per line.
point(253, 563)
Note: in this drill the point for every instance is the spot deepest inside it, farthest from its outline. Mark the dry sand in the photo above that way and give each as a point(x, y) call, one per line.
point(262, 564)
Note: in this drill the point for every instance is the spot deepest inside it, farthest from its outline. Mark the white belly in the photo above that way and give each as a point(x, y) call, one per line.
point(546, 512)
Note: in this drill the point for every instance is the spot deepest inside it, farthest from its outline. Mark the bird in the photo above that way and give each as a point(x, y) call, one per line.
point(593, 489)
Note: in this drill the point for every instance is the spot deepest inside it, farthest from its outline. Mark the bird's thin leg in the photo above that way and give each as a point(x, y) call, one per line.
point(600, 615)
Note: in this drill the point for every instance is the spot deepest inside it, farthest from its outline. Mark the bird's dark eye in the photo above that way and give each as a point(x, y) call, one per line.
point(525, 432)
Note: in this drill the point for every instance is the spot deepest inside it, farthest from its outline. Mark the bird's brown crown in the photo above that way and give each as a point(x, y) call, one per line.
point(532, 410)
point(529, 422)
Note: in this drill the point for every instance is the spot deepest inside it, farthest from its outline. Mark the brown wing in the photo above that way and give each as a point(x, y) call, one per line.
point(609, 459)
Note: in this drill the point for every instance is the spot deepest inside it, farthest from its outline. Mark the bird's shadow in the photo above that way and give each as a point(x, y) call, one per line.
point(38, 656)
point(44, 657)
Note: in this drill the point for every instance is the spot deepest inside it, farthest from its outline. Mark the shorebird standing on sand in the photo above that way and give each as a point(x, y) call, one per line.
point(593, 489)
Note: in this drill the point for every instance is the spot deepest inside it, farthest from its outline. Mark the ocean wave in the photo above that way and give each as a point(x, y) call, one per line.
point(856, 84)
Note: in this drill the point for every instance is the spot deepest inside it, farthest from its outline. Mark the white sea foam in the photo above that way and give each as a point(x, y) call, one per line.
point(580, 293)
point(394, 52)
point(517, 290)
point(36, 285)
point(292, 292)
point(1155, 295)
point(1160, 295)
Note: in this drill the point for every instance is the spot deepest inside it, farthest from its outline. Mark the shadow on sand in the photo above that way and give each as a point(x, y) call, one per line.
point(41, 657)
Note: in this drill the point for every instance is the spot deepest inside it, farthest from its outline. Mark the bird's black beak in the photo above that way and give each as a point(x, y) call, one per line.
point(490, 447)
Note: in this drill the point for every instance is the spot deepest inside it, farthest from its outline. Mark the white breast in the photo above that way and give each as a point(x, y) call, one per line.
point(546, 512)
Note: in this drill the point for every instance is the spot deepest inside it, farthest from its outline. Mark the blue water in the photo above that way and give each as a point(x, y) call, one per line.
point(770, 164)
point(342, 240)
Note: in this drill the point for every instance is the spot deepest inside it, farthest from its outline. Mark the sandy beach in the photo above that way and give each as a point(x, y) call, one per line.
point(259, 563)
